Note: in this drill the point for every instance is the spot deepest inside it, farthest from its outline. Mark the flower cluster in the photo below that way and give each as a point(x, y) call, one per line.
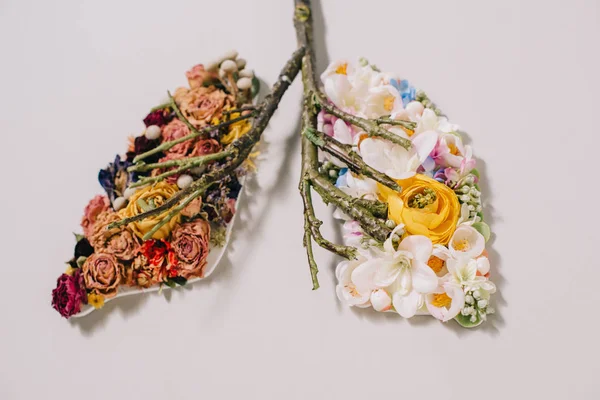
point(176, 149)
point(435, 261)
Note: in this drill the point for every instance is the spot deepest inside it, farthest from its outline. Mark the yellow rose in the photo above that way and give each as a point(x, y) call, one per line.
point(146, 198)
point(236, 130)
point(425, 206)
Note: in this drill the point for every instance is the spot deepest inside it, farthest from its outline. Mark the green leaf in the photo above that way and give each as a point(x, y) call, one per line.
point(180, 280)
point(170, 283)
point(483, 228)
point(475, 172)
point(255, 87)
point(465, 321)
point(80, 261)
point(78, 237)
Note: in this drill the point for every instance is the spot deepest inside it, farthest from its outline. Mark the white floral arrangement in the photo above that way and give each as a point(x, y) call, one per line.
point(434, 262)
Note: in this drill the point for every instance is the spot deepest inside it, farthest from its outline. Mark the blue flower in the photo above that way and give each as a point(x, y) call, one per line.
point(115, 178)
point(407, 92)
point(341, 180)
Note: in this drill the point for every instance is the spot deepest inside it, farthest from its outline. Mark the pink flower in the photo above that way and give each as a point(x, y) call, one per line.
point(449, 151)
point(198, 75)
point(201, 104)
point(205, 146)
point(190, 243)
point(94, 208)
point(69, 294)
point(102, 274)
point(176, 130)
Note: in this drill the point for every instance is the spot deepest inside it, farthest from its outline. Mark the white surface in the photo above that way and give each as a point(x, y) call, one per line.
point(521, 77)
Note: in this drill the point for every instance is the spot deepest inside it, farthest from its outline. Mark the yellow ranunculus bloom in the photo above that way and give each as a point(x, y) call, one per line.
point(425, 206)
point(152, 196)
point(236, 130)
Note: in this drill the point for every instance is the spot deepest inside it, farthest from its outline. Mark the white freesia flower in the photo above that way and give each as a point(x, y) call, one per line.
point(346, 289)
point(447, 302)
point(430, 121)
point(336, 85)
point(357, 186)
point(463, 272)
point(394, 160)
point(352, 233)
point(466, 241)
point(380, 101)
point(403, 272)
point(381, 300)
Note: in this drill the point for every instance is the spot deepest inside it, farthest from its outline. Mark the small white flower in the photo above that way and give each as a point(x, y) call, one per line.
point(466, 240)
point(346, 289)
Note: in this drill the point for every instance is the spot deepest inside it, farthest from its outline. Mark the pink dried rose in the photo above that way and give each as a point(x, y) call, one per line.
point(102, 274)
point(201, 105)
point(190, 241)
point(69, 294)
point(193, 208)
point(120, 242)
point(197, 76)
point(96, 206)
point(205, 146)
point(176, 130)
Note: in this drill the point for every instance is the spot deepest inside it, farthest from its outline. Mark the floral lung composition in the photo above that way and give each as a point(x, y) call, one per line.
point(406, 186)
point(170, 199)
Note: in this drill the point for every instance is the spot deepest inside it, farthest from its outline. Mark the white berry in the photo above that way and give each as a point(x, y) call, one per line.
point(246, 73)
point(244, 83)
point(119, 203)
point(129, 192)
point(184, 181)
point(229, 66)
point(152, 132)
point(230, 55)
point(241, 63)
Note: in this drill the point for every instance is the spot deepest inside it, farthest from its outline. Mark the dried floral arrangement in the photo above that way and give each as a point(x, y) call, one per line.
point(406, 186)
point(381, 152)
point(169, 202)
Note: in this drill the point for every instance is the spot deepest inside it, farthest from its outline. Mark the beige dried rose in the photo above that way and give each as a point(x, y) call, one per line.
point(190, 243)
point(120, 242)
point(201, 105)
point(102, 274)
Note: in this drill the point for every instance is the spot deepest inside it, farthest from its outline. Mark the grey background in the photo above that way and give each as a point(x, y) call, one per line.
point(521, 77)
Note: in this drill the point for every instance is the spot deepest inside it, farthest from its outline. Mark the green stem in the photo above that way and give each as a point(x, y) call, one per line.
point(195, 133)
point(196, 161)
point(370, 127)
point(241, 147)
point(160, 107)
point(344, 153)
point(399, 122)
point(314, 269)
point(312, 225)
point(175, 211)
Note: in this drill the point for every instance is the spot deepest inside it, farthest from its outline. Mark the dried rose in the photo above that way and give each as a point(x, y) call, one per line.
point(102, 274)
point(190, 243)
point(202, 104)
point(205, 146)
point(154, 262)
point(193, 208)
point(120, 242)
point(176, 130)
point(96, 206)
point(197, 76)
point(158, 117)
point(69, 294)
